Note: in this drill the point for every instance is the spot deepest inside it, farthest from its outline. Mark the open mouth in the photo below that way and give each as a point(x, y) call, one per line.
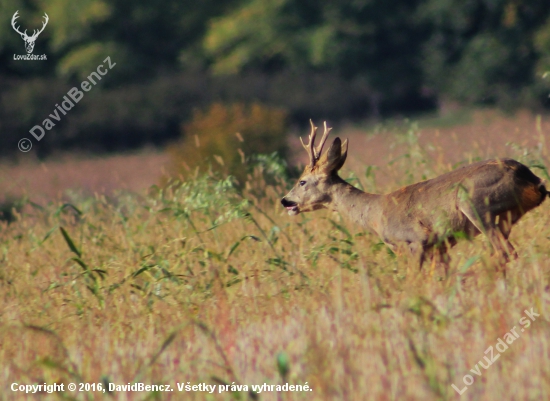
point(292, 210)
point(291, 207)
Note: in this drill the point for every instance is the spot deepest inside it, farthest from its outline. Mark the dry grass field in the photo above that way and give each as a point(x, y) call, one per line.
point(204, 284)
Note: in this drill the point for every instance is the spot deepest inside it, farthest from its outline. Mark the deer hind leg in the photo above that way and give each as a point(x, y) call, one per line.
point(498, 233)
point(505, 221)
point(497, 228)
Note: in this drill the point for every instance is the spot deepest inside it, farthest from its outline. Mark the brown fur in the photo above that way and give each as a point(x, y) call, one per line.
point(530, 197)
point(488, 196)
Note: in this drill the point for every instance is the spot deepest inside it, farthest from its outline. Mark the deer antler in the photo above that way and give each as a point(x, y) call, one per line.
point(315, 154)
point(323, 139)
point(311, 143)
point(15, 16)
point(35, 32)
point(46, 18)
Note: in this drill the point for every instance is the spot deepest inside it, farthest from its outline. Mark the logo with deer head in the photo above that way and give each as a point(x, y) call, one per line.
point(29, 40)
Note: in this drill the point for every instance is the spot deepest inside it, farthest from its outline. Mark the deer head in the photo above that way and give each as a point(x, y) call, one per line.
point(313, 189)
point(29, 40)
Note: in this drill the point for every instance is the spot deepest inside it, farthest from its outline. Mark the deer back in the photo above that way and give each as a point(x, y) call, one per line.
point(435, 208)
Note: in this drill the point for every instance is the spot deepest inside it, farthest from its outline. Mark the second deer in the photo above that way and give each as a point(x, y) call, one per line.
point(486, 197)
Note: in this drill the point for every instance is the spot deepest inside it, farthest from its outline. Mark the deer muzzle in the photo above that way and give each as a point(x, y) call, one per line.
point(291, 207)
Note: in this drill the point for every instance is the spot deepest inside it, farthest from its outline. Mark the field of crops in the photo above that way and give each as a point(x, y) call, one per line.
point(209, 284)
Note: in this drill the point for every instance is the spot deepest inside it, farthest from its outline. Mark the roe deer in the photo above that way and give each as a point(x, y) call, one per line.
point(488, 196)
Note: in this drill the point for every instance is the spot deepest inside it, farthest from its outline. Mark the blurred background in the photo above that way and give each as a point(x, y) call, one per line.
point(196, 73)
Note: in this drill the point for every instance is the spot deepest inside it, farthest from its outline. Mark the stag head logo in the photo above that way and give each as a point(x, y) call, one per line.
point(29, 40)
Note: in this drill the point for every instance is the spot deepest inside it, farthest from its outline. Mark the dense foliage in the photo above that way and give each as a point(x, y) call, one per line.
point(346, 59)
point(229, 139)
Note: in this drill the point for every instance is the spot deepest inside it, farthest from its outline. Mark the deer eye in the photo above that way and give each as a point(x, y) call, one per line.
point(302, 183)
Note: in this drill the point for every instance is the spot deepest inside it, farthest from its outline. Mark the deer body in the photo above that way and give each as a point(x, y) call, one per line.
point(484, 197)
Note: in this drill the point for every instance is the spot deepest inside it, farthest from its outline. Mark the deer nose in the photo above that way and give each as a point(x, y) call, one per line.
point(286, 203)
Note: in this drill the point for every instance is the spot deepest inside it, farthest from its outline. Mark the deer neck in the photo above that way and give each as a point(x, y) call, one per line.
point(358, 206)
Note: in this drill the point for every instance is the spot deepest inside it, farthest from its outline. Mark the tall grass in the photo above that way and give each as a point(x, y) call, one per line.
point(207, 282)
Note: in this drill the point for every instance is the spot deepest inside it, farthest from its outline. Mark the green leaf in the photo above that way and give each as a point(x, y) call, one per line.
point(70, 242)
point(283, 365)
point(340, 228)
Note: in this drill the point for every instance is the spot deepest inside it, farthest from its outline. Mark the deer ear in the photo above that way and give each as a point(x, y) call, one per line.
point(336, 155)
point(343, 155)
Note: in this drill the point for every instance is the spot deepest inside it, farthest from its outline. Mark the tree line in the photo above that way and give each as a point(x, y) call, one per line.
point(346, 59)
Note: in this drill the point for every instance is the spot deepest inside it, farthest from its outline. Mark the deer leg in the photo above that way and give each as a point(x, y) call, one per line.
point(505, 249)
point(505, 222)
point(439, 257)
point(418, 252)
point(443, 258)
point(498, 231)
point(433, 261)
point(436, 255)
point(498, 239)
